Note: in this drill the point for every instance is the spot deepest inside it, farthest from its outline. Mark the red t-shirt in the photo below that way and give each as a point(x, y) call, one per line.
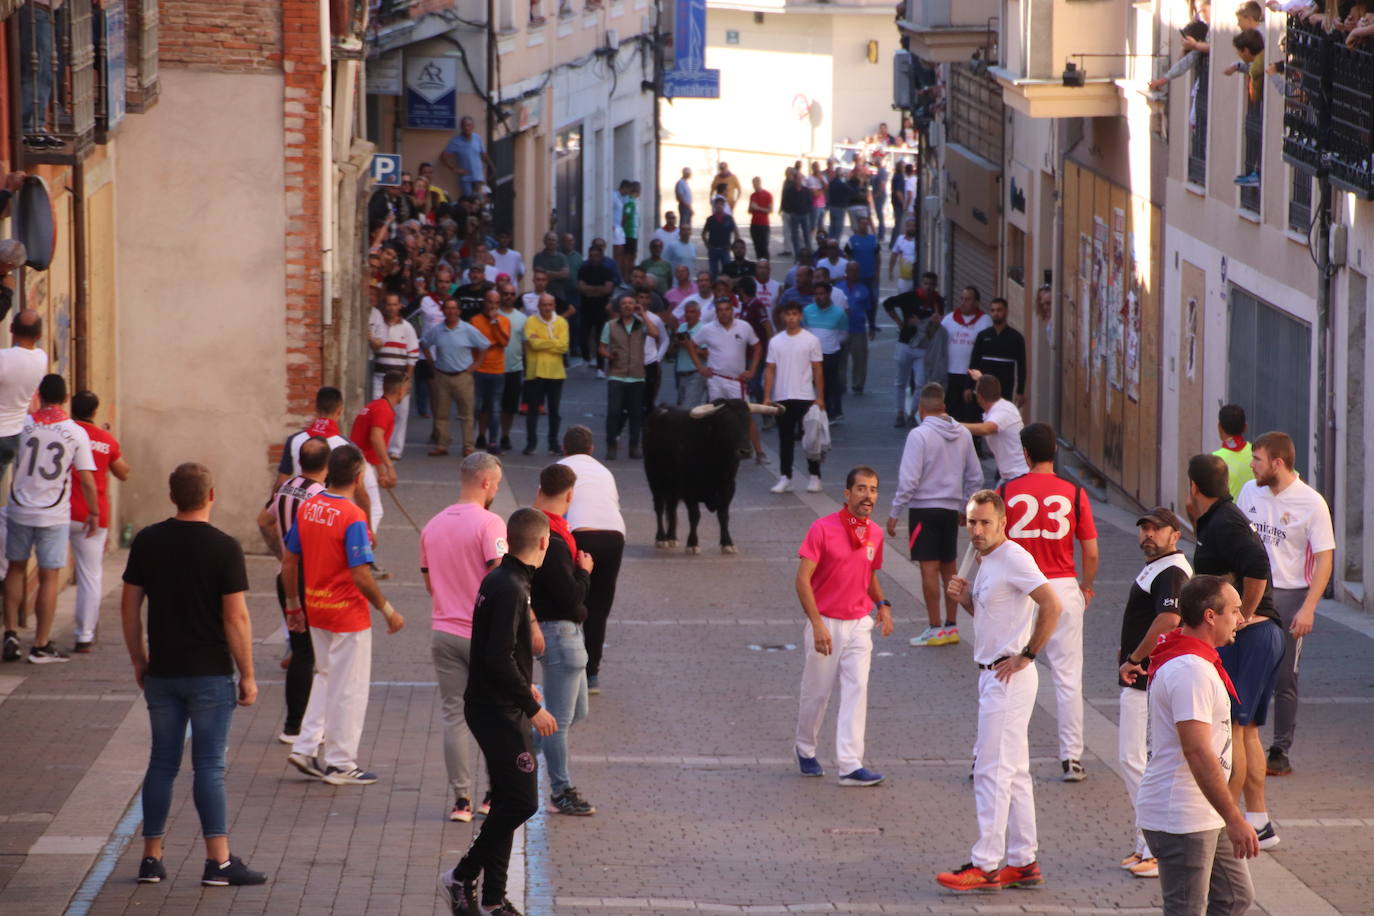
point(377, 415)
point(105, 450)
point(330, 536)
point(1045, 514)
point(843, 571)
point(763, 199)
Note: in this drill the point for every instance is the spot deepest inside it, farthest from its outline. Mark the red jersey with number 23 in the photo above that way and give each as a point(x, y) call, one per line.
point(1045, 515)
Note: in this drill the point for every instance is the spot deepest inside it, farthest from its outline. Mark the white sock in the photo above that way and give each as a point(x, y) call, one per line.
point(1257, 819)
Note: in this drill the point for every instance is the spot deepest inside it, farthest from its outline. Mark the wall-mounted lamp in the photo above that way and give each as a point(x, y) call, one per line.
point(872, 52)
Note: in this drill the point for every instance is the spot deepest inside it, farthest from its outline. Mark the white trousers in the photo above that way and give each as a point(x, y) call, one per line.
point(338, 697)
point(1131, 750)
point(88, 554)
point(374, 494)
point(717, 387)
point(1002, 788)
point(398, 435)
point(1064, 654)
point(851, 653)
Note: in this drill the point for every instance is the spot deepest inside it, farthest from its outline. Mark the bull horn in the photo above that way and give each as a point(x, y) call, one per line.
point(772, 409)
point(703, 410)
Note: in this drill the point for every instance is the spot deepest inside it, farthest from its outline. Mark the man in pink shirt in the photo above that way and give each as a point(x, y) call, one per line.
point(457, 549)
point(837, 584)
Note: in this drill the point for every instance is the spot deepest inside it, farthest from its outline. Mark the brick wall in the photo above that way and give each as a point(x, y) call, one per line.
point(305, 81)
point(233, 35)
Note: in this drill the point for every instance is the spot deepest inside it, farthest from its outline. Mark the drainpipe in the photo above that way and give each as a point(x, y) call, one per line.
point(326, 178)
point(491, 100)
point(1326, 417)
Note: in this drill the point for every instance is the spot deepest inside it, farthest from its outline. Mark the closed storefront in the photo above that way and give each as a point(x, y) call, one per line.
point(975, 264)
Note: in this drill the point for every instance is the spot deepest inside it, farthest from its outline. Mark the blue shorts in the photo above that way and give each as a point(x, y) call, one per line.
point(50, 541)
point(1253, 663)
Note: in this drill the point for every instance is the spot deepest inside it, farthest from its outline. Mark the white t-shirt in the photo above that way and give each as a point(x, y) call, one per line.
point(21, 369)
point(655, 347)
point(706, 304)
point(41, 491)
point(1004, 613)
point(1184, 689)
point(961, 336)
point(727, 351)
point(1295, 525)
point(596, 501)
point(768, 292)
point(836, 269)
point(905, 249)
point(509, 263)
point(1006, 442)
point(431, 314)
point(793, 355)
point(664, 236)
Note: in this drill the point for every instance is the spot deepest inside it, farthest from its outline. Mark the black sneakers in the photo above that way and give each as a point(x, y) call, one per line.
point(12, 648)
point(1277, 763)
point(504, 908)
point(230, 874)
point(47, 655)
point(461, 893)
point(150, 871)
point(570, 802)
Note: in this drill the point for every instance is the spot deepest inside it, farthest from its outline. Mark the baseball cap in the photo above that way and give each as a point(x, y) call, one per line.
point(1161, 517)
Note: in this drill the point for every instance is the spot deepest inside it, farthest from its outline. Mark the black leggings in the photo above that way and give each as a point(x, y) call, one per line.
point(503, 734)
point(607, 548)
point(789, 431)
point(301, 669)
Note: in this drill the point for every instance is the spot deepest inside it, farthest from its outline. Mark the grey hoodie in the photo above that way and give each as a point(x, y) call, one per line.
point(939, 469)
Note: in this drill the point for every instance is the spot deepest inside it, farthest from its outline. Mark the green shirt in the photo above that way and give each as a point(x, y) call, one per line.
point(1237, 466)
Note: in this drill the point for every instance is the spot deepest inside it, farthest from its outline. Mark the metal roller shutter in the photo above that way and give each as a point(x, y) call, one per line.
point(975, 264)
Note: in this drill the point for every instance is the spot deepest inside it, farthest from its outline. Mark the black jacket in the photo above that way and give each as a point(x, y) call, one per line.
point(1002, 355)
point(1228, 547)
point(501, 662)
point(559, 589)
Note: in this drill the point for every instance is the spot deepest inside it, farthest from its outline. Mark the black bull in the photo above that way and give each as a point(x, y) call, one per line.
point(692, 456)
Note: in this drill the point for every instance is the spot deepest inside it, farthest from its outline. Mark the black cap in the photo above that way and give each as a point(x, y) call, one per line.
point(1161, 517)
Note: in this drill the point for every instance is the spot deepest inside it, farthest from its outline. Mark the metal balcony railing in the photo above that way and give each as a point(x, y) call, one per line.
point(1329, 110)
point(57, 79)
point(1197, 130)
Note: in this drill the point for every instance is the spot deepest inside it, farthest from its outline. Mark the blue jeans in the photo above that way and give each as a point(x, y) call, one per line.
point(206, 703)
point(837, 215)
point(795, 229)
point(36, 87)
point(490, 385)
point(565, 694)
point(691, 389)
point(717, 258)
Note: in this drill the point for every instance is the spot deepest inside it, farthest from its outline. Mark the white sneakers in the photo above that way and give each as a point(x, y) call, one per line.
point(813, 484)
point(784, 485)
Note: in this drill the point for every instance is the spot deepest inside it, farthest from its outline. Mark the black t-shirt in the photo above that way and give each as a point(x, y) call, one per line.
point(186, 569)
point(595, 275)
point(470, 297)
point(914, 303)
point(736, 269)
point(1154, 592)
point(720, 230)
point(838, 193)
point(1228, 547)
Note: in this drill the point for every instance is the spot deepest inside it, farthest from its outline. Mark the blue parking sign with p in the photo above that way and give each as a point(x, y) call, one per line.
point(386, 170)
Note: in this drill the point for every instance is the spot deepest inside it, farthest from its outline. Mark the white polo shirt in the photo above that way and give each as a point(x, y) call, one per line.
point(1003, 612)
point(1295, 526)
point(1006, 442)
point(727, 351)
point(1184, 689)
point(596, 501)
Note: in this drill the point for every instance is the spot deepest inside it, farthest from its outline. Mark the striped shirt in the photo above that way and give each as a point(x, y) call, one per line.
point(400, 347)
point(286, 502)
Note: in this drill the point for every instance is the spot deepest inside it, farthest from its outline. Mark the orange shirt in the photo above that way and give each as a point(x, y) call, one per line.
point(494, 359)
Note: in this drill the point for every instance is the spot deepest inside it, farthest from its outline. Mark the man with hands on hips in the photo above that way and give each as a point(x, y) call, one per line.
point(837, 584)
point(1017, 610)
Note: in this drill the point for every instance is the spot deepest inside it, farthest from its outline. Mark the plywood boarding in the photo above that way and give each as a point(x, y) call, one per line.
point(100, 373)
point(1110, 358)
point(1192, 306)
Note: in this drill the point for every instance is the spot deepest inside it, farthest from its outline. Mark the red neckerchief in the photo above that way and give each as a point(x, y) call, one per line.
point(323, 426)
point(856, 527)
point(1174, 644)
point(50, 414)
point(973, 319)
point(559, 524)
point(1233, 443)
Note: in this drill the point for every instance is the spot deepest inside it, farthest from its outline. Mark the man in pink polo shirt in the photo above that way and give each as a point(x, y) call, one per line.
point(457, 548)
point(838, 586)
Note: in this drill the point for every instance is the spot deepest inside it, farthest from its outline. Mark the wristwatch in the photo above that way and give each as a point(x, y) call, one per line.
point(1027, 653)
point(884, 603)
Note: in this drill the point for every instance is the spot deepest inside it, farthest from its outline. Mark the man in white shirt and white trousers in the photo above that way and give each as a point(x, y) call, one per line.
point(1015, 610)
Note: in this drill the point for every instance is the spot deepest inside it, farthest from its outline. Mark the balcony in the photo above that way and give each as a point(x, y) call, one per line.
point(945, 31)
point(57, 84)
point(1328, 117)
point(1039, 38)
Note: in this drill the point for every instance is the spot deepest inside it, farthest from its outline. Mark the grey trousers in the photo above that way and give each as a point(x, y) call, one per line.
point(450, 654)
point(1199, 874)
point(1287, 601)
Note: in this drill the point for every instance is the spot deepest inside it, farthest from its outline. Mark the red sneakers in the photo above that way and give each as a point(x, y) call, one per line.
point(969, 877)
point(1021, 876)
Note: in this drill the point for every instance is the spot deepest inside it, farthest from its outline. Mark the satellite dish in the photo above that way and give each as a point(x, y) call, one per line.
point(34, 224)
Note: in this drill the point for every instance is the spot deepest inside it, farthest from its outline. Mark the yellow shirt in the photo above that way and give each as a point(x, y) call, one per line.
point(545, 344)
point(1237, 466)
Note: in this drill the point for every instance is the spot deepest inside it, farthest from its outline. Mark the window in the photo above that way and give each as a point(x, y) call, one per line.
point(1300, 201)
point(1016, 255)
point(1197, 124)
point(1269, 369)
